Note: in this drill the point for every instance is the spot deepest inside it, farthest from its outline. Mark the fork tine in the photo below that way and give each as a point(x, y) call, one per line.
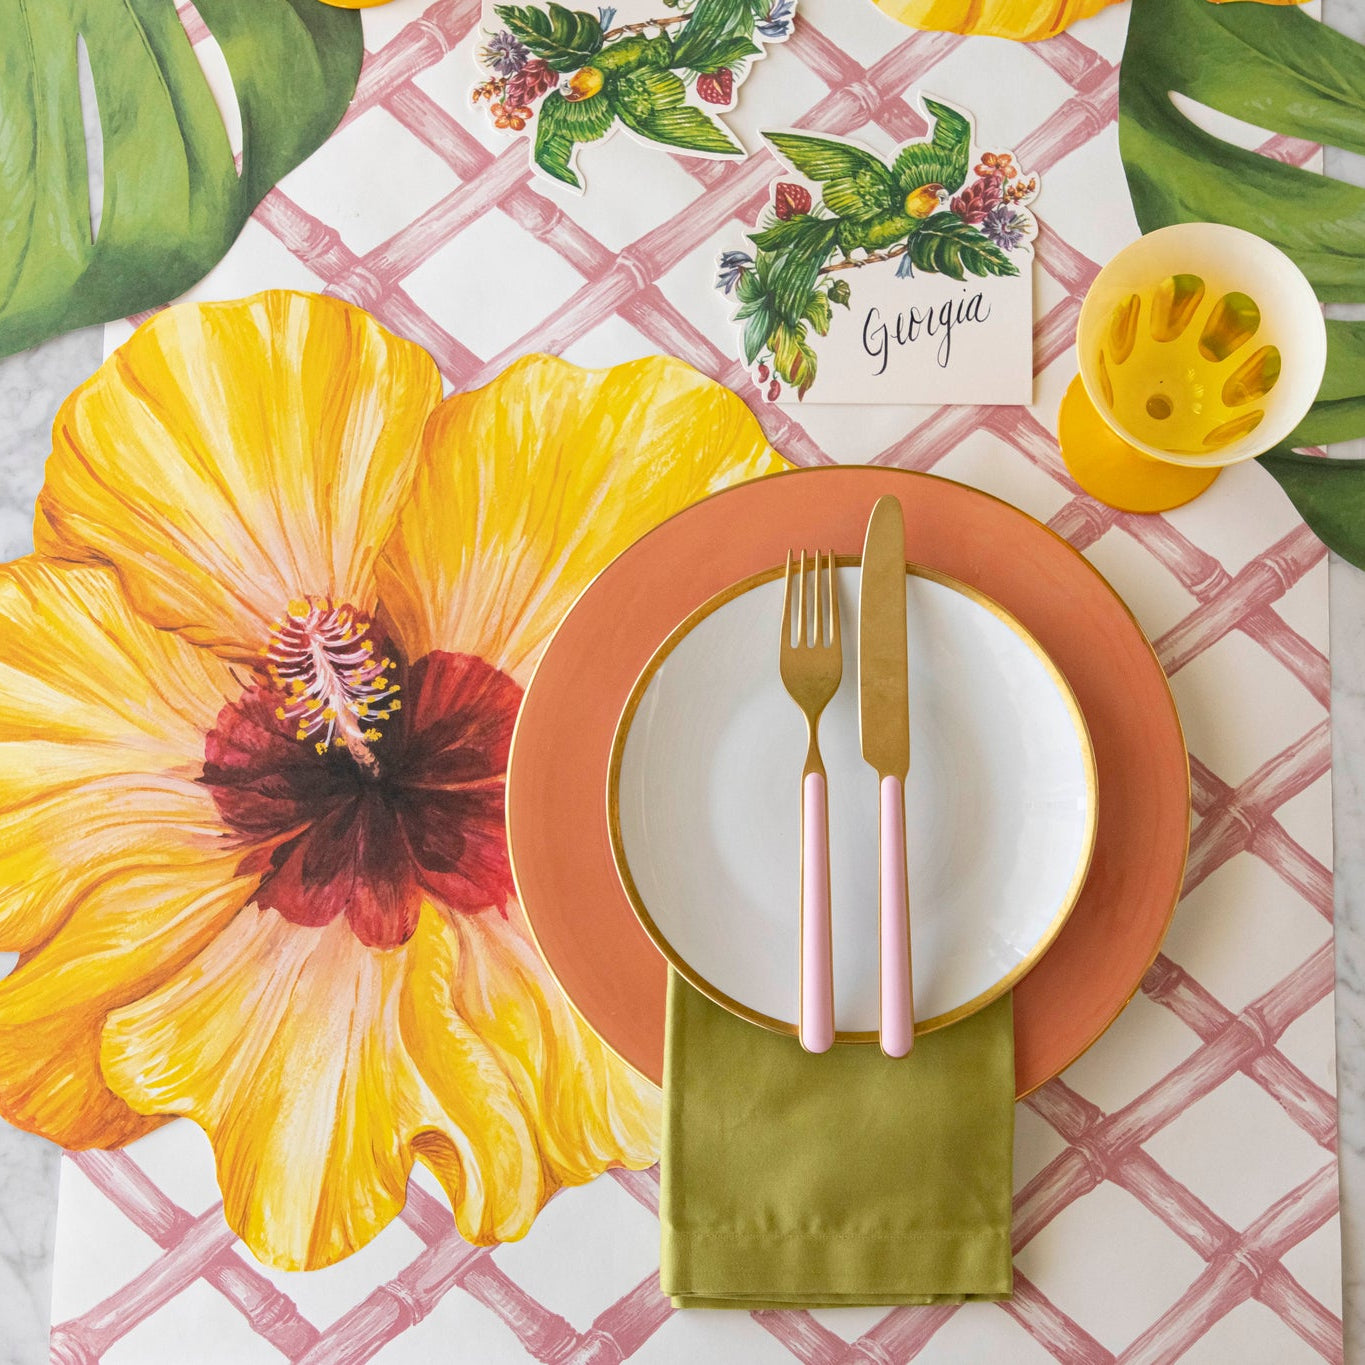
point(801, 629)
point(833, 604)
point(787, 605)
point(813, 606)
point(819, 641)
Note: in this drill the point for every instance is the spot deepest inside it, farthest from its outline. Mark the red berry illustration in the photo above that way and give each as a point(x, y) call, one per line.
point(789, 200)
point(773, 390)
point(717, 87)
point(762, 373)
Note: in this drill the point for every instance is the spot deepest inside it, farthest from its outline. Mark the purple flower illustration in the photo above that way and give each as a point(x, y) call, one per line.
point(1005, 227)
point(779, 19)
point(733, 264)
point(505, 54)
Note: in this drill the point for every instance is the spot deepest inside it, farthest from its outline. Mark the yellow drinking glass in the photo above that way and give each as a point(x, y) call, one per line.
point(1199, 346)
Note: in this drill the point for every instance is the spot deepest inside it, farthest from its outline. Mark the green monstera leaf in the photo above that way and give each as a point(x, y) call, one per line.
point(1278, 69)
point(173, 199)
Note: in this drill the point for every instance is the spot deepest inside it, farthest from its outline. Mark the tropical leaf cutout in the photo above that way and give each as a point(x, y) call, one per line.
point(1278, 69)
point(173, 200)
point(948, 246)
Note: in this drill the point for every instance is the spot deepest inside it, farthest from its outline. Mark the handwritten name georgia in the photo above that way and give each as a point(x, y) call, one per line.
point(929, 322)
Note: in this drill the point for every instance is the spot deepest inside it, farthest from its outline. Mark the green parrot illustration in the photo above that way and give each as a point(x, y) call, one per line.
point(874, 205)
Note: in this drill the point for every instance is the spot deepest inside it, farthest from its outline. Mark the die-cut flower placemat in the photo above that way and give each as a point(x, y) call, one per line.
point(257, 689)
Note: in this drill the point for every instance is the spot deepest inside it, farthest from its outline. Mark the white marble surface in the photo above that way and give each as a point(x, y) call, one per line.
point(33, 385)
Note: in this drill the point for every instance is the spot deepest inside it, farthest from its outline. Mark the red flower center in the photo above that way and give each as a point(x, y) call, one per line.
point(345, 818)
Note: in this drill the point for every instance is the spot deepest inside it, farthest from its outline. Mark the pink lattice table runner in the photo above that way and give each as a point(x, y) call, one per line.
point(1177, 1187)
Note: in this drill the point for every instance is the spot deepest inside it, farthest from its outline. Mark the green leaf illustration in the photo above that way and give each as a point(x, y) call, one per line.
point(756, 332)
point(711, 20)
point(682, 126)
point(793, 358)
point(562, 125)
point(948, 246)
point(1281, 70)
point(173, 199)
point(716, 53)
point(819, 313)
point(564, 39)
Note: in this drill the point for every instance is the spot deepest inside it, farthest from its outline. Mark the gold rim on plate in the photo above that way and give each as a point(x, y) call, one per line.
point(712, 992)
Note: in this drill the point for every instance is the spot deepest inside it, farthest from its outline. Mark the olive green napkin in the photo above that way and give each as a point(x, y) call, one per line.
point(795, 1180)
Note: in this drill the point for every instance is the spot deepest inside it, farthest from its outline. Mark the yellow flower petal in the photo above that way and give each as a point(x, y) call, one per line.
point(530, 486)
point(1025, 20)
point(354, 4)
point(113, 865)
point(589, 1109)
point(320, 1068)
point(231, 457)
point(102, 724)
point(126, 933)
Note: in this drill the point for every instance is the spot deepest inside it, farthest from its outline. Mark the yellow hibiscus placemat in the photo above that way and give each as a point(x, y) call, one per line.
point(282, 609)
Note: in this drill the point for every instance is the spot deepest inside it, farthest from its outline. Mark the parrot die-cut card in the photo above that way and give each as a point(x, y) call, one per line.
point(661, 69)
point(904, 279)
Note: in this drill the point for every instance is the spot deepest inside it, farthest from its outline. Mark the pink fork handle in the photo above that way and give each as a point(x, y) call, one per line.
point(897, 999)
point(816, 1020)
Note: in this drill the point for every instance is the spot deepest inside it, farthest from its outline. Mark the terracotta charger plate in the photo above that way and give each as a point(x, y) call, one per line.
point(558, 770)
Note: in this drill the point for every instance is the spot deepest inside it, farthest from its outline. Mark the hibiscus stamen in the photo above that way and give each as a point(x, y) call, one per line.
point(322, 659)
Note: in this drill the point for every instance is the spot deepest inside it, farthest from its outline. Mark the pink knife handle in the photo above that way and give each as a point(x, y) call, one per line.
point(816, 1020)
point(898, 1007)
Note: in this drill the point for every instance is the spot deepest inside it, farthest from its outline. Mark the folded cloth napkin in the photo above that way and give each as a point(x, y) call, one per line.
point(796, 1180)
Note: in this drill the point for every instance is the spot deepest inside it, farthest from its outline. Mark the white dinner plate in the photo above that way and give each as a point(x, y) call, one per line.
point(704, 805)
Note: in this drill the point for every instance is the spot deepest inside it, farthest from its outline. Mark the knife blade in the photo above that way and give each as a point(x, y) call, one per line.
point(884, 723)
point(883, 652)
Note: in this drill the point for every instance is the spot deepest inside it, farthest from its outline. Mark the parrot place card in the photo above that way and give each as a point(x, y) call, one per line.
point(664, 70)
point(898, 279)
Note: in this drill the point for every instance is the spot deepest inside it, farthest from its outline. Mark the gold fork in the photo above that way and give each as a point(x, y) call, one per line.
point(812, 665)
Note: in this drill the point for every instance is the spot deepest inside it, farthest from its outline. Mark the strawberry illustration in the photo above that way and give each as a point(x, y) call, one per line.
point(717, 87)
point(789, 200)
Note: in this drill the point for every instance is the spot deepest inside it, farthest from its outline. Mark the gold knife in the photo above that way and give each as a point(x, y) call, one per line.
point(884, 718)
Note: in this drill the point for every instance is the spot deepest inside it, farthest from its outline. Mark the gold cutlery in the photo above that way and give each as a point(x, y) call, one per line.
point(812, 663)
point(884, 720)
